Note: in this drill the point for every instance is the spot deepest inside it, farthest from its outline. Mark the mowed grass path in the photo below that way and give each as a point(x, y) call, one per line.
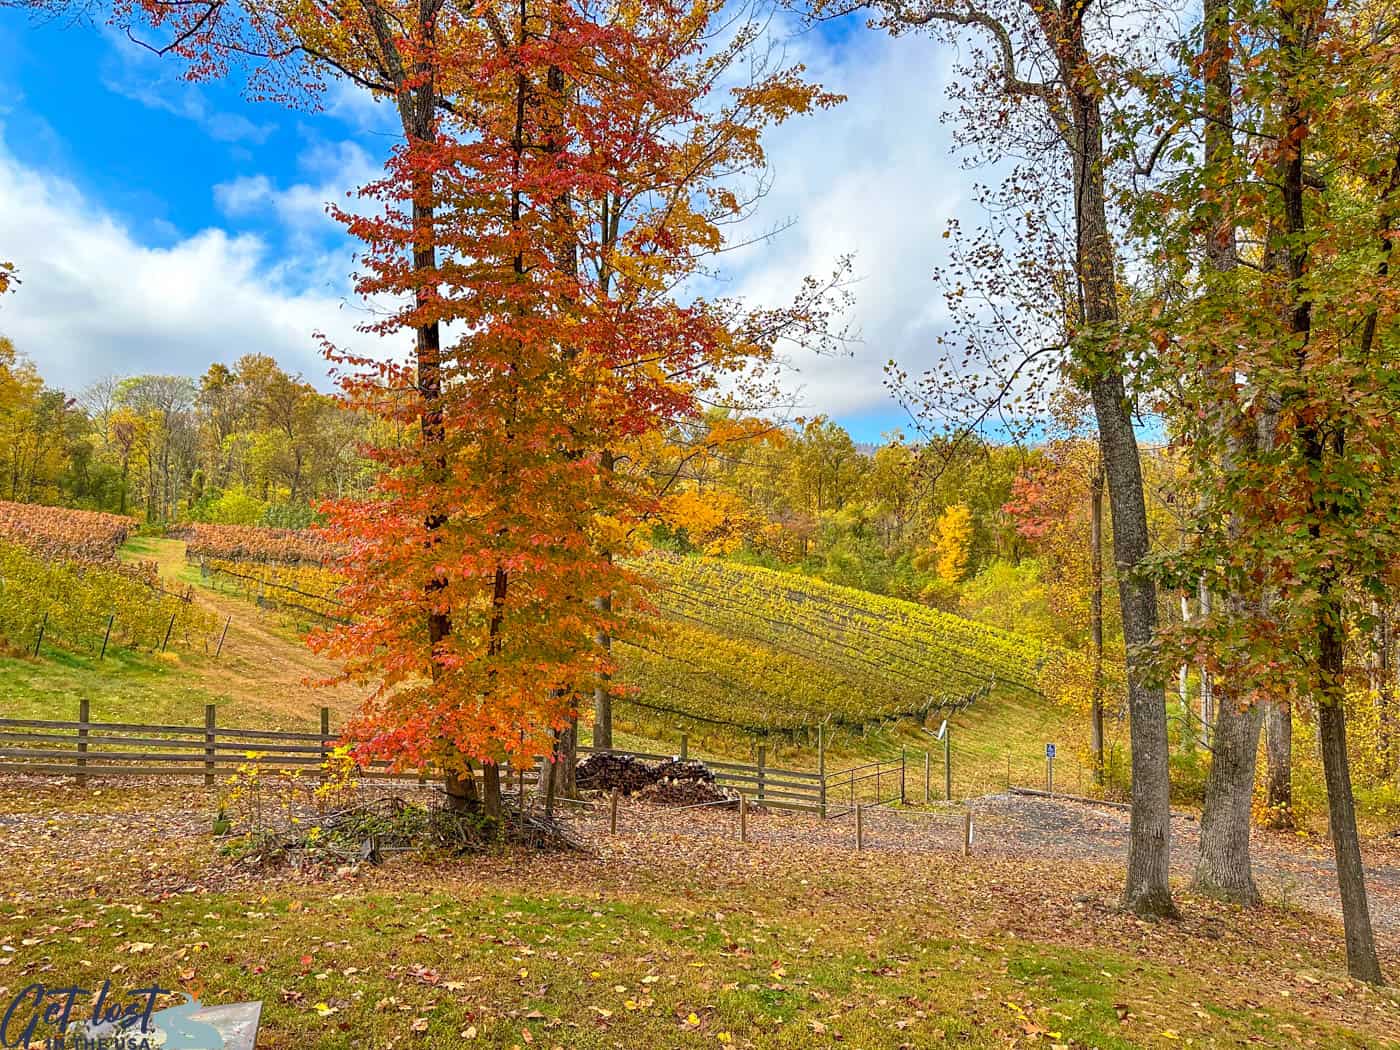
point(657, 940)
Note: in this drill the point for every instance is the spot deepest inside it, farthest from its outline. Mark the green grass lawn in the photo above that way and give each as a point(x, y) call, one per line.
point(124, 686)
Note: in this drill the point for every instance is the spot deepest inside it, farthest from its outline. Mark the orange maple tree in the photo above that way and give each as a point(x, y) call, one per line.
point(565, 171)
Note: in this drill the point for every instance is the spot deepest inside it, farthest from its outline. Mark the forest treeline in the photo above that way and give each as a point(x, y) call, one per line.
point(250, 443)
point(241, 444)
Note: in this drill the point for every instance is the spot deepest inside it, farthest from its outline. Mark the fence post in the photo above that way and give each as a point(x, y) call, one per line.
point(612, 818)
point(761, 753)
point(685, 747)
point(860, 826)
point(83, 719)
point(106, 636)
point(325, 736)
point(222, 635)
point(743, 817)
point(901, 776)
point(967, 832)
point(821, 768)
point(948, 765)
point(40, 640)
point(928, 769)
point(209, 717)
point(168, 629)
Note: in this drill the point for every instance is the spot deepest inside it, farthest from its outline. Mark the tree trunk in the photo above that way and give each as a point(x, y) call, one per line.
point(491, 791)
point(1362, 961)
point(1278, 754)
point(557, 771)
point(602, 693)
point(1207, 698)
point(1379, 675)
point(1318, 447)
point(417, 105)
point(1386, 698)
point(1147, 890)
point(1096, 621)
point(462, 796)
point(1223, 868)
point(1183, 687)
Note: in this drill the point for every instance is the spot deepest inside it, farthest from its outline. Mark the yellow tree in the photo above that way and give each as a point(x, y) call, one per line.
point(953, 543)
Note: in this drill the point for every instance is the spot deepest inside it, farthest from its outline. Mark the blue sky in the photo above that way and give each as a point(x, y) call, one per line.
point(159, 225)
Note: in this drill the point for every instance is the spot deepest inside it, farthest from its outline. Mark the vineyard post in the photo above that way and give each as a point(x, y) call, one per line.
point(685, 747)
point(223, 634)
point(612, 818)
point(84, 711)
point(928, 778)
point(762, 750)
point(901, 775)
point(821, 768)
point(106, 636)
point(967, 832)
point(209, 731)
point(743, 817)
point(325, 737)
point(40, 640)
point(860, 826)
point(168, 629)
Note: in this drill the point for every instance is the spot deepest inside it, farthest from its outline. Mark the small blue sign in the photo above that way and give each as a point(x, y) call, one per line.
point(1049, 750)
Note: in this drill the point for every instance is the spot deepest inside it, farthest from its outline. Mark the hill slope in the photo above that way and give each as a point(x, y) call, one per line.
point(758, 650)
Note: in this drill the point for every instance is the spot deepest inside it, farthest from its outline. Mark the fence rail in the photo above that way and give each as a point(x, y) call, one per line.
point(85, 749)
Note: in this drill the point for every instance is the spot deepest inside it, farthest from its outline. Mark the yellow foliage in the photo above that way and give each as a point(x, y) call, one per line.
point(715, 521)
point(953, 543)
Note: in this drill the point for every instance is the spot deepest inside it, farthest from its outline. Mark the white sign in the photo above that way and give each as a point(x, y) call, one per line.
point(942, 729)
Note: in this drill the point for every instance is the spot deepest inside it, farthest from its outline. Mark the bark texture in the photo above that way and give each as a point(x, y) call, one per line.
point(1223, 868)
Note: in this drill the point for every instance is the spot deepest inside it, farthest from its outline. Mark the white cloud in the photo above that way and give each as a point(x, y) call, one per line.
point(301, 207)
point(96, 301)
point(878, 177)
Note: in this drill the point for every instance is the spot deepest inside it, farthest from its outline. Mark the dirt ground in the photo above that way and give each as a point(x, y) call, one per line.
point(1291, 871)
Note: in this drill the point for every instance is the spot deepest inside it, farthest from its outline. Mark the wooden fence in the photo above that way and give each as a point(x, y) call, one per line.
point(85, 749)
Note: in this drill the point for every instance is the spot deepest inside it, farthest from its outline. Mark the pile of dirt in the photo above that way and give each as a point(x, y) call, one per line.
point(630, 775)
